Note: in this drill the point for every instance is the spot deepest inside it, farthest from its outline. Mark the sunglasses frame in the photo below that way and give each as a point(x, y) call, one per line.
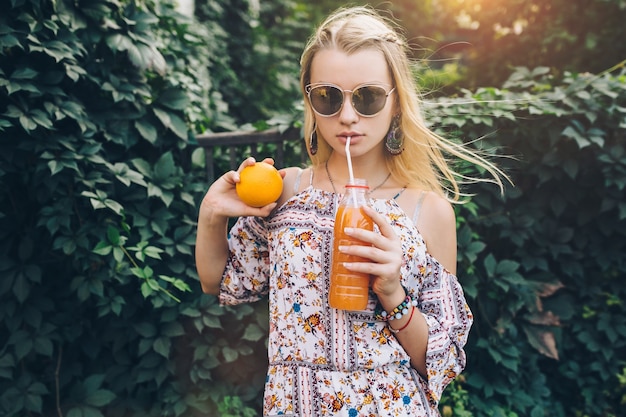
point(309, 87)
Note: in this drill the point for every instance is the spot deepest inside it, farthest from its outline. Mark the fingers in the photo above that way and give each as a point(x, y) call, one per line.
point(384, 226)
point(385, 240)
point(245, 163)
point(222, 198)
point(382, 261)
point(383, 250)
point(249, 161)
point(269, 161)
point(231, 178)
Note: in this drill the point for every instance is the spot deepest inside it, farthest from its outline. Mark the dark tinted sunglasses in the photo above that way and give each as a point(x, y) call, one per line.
point(327, 99)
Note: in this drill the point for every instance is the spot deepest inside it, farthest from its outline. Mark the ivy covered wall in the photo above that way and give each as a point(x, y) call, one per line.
point(100, 310)
point(544, 266)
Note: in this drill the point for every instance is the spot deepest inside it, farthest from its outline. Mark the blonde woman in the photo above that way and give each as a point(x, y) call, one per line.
point(357, 85)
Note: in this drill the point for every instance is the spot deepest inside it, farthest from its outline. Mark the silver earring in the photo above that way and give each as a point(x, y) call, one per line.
point(313, 141)
point(395, 138)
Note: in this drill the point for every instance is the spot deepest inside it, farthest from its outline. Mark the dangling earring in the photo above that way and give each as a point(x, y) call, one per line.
point(395, 138)
point(313, 141)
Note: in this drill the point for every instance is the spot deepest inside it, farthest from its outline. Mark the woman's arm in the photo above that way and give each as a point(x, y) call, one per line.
point(218, 205)
point(211, 247)
point(438, 227)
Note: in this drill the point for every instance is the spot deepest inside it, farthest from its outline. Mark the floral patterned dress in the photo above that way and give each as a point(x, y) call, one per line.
point(328, 362)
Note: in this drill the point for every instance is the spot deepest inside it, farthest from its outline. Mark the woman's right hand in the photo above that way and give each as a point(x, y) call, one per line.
point(222, 201)
point(219, 203)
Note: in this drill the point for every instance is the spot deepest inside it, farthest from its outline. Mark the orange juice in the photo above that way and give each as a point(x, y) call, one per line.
point(348, 289)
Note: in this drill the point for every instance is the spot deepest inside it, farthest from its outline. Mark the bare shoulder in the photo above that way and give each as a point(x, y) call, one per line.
point(437, 209)
point(430, 206)
point(290, 178)
point(437, 224)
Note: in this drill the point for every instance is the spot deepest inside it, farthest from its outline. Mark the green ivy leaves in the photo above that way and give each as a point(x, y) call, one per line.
point(90, 397)
point(99, 197)
point(535, 262)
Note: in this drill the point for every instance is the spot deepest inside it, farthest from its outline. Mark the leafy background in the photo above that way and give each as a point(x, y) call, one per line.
point(101, 313)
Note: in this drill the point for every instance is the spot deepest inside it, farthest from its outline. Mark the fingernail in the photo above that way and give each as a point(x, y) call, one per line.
point(348, 230)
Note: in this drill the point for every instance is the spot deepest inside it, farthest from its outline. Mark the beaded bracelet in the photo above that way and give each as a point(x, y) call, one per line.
point(396, 331)
point(396, 313)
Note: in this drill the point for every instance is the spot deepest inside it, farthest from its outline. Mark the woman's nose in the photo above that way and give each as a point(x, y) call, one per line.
point(348, 115)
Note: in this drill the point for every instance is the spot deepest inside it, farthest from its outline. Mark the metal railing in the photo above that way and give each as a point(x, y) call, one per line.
point(233, 141)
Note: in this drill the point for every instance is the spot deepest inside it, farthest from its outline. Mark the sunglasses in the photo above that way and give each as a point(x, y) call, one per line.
point(367, 99)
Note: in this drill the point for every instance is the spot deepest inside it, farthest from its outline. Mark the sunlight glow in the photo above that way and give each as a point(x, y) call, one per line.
point(465, 21)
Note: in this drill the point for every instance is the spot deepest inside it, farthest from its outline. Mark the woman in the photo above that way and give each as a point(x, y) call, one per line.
point(358, 86)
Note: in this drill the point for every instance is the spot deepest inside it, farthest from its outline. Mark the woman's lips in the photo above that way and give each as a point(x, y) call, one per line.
point(353, 136)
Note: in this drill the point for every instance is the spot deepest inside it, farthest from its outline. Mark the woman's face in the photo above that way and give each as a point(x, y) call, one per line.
point(366, 67)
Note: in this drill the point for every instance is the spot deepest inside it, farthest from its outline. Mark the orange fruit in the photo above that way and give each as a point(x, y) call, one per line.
point(260, 184)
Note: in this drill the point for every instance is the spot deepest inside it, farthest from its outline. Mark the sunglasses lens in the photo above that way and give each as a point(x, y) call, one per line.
point(369, 100)
point(326, 99)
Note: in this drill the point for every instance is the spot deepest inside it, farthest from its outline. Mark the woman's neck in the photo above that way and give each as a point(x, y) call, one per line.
point(374, 171)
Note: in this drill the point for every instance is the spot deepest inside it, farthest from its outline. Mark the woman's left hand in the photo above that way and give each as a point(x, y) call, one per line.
point(385, 254)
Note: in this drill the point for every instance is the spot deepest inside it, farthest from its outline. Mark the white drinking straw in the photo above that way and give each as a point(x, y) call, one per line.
point(349, 158)
point(350, 172)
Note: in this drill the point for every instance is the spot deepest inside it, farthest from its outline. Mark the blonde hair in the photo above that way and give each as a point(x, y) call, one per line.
point(422, 162)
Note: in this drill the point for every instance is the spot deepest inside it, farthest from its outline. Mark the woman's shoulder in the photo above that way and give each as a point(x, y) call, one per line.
point(418, 203)
point(436, 207)
point(294, 180)
point(434, 217)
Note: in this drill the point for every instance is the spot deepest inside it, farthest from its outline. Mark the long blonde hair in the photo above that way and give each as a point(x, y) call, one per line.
point(422, 163)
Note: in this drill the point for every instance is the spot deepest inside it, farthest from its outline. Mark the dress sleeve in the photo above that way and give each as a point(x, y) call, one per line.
point(246, 275)
point(442, 302)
